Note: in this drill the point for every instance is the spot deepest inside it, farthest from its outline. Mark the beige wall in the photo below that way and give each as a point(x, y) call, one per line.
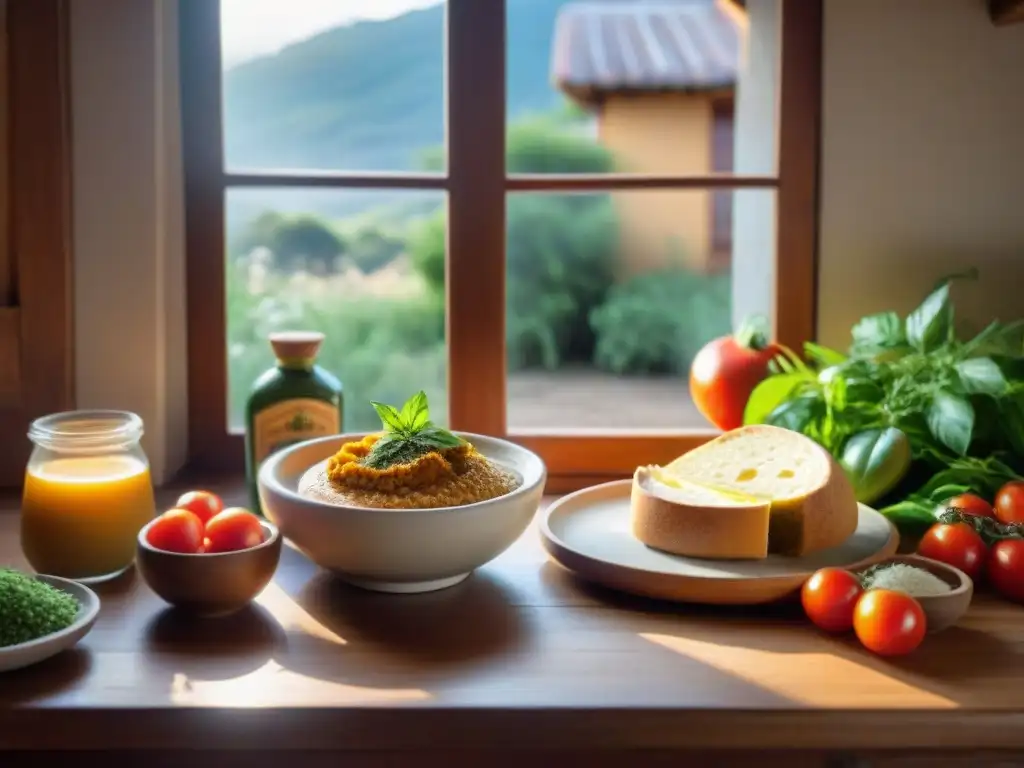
point(661, 133)
point(923, 159)
point(923, 172)
point(129, 267)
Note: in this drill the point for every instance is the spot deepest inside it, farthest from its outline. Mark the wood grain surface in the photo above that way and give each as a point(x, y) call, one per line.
point(520, 657)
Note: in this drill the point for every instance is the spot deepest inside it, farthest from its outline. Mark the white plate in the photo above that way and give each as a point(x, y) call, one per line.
point(34, 651)
point(589, 533)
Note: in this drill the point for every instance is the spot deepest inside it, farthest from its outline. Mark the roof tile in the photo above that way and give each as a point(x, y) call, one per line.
point(644, 45)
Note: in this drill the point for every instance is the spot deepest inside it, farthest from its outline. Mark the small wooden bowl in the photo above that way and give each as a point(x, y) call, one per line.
point(214, 584)
point(941, 611)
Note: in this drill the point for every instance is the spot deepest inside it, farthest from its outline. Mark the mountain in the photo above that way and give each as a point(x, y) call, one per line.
point(369, 96)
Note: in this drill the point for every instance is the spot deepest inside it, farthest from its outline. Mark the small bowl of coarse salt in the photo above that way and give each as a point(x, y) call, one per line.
point(943, 591)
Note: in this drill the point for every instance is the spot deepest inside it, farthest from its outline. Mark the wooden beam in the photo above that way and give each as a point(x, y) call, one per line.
point(1006, 11)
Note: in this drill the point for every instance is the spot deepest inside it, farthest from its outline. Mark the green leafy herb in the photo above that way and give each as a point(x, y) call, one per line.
point(30, 609)
point(769, 394)
point(951, 420)
point(877, 333)
point(929, 325)
point(959, 402)
point(981, 376)
point(409, 434)
point(823, 356)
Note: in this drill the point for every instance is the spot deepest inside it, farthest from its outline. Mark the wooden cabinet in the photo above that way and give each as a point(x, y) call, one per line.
point(36, 365)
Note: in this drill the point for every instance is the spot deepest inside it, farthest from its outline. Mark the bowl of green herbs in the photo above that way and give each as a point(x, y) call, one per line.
point(916, 411)
point(40, 616)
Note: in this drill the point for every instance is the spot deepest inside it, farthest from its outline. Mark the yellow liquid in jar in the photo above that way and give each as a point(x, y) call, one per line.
point(80, 517)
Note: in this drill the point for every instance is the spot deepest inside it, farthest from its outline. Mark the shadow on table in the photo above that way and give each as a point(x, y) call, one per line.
point(47, 678)
point(558, 578)
point(218, 648)
point(117, 587)
point(961, 664)
point(437, 633)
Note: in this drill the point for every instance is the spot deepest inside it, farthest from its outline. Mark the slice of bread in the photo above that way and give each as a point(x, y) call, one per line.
point(687, 518)
point(811, 504)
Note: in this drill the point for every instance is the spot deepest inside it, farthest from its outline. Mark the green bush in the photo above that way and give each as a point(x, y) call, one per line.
point(561, 256)
point(427, 246)
point(658, 321)
point(371, 248)
point(548, 146)
point(560, 249)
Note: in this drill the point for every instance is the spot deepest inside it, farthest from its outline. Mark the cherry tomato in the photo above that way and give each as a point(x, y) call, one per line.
point(888, 622)
point(958, 545)
point(1006, 568)
point(176, 530)
point(202, 503)
point(725, 372)
point(829, 598)
point(969, 504)
point(233, 529)
point(1010, 503)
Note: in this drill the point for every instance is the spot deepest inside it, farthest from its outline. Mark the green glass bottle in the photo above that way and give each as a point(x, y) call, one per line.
point(295, 400)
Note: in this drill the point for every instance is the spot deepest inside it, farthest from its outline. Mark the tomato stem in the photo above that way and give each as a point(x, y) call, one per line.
point(753, 332)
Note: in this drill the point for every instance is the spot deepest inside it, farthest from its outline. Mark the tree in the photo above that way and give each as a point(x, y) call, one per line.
point(306, 242)
point(296, 242)
point(372, 249)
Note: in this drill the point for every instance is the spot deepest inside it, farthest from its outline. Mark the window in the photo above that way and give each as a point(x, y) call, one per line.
point(570, 251)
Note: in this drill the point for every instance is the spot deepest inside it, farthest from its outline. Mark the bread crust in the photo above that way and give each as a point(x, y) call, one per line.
point(838, 516)
point(695, 530)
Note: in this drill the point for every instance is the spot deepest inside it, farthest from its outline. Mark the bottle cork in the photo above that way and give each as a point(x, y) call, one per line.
point(296, 345)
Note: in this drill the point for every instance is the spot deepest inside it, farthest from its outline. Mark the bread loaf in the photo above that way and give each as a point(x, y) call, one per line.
point(754, 491)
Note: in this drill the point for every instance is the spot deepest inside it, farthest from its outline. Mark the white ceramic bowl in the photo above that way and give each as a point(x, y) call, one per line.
point(25, 654)
point(399, 550)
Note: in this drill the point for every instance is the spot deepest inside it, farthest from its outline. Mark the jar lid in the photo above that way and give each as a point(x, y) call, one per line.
point(296, 345)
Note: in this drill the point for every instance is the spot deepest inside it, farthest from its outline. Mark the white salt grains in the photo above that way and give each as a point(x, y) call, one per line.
point(910, 579)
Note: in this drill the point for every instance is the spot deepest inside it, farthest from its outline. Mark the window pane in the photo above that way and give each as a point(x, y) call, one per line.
point(372, 282)
point(610, 295)
point(637, 87)
point(333, 84)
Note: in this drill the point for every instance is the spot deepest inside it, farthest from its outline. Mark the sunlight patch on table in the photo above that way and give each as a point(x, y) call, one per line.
point(291, 615)
point(274, 686)
point(816, 678)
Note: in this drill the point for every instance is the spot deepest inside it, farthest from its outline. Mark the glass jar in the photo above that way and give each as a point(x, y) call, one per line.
point(87, 494)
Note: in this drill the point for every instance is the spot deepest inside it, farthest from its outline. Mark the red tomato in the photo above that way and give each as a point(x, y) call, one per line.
point(888, 622)
point(1006, 568)
point(233, 529)
point(201, 503)
point(829, 598)
point(958, 545)
point(722, 376)
point(176, 530)
point(1010, 503)
point(969, 504)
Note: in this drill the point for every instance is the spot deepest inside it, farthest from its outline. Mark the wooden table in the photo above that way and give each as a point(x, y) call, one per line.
point(521, 662)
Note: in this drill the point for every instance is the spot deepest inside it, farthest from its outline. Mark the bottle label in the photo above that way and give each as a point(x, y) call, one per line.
point(292, 421)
